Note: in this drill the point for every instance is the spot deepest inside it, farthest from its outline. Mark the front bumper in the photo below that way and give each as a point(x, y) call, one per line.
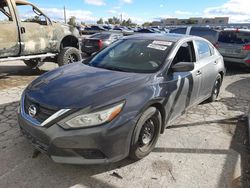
point(96, 145)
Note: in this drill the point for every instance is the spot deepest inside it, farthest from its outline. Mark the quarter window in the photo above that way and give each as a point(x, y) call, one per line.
point(203, 49)
point(4, 12)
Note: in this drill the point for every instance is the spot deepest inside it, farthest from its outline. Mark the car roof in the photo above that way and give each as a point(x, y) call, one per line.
point(172, 37)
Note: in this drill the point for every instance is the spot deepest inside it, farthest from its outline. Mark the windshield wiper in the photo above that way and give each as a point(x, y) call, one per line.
point(113, 68)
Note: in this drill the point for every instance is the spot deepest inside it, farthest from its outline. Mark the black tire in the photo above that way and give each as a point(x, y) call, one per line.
point(216, 89)
point(68, 55)
point(32, 63)
point(143, 142)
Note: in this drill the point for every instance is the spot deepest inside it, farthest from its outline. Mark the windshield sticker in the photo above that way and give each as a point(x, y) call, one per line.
point(164, 43)
point(157, 47)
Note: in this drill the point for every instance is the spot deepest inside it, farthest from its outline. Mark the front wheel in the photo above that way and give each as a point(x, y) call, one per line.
point(33, 63)
point(216, 89)
point(68, 55)
point(146, 134)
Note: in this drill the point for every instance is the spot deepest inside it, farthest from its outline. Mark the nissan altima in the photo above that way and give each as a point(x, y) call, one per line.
point(116, 103)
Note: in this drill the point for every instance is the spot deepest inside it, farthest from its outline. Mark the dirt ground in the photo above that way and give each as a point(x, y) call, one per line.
point(206, 147)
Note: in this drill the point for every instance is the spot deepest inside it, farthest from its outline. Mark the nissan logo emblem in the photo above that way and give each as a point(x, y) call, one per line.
point(32, 110)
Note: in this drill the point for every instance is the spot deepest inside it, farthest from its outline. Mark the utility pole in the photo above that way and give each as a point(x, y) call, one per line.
point(121, 19)
point(65, 16)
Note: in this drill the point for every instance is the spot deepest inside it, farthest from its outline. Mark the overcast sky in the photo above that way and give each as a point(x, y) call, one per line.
point(146, 10)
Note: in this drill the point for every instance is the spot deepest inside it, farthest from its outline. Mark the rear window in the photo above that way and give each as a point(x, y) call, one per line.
point(234, 37)
point(179, 30)
point(100, 36)
point(206, 33)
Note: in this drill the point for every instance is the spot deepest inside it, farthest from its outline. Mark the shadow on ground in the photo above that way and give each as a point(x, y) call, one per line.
point(239, 144)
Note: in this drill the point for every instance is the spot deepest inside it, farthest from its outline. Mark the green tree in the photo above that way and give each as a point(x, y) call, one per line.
point(146, 24)
point(100, 21)
point(190, 21)
point(110, 21)
point(72, 21)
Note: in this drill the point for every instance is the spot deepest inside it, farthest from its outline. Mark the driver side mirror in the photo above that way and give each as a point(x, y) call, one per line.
point(183, 67)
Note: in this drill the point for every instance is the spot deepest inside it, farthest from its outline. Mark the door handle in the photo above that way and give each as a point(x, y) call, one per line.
point(22, 30)
point(198, 73)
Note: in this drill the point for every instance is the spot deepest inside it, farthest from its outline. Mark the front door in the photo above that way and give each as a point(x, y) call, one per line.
point(9, 38)
point(183, 86)
point(35, 30)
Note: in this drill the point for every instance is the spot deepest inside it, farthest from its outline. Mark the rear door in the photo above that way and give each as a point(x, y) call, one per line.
point(231, 43)
point(207, 61)
point(9, 38)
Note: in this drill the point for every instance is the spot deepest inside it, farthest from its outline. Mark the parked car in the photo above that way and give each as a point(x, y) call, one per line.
point(96, 42)
point(116, 103)
point(205, 32)
point(123, 30)
point(234, 45)
point(93, 30)
point(146, 30)
point(33, 37)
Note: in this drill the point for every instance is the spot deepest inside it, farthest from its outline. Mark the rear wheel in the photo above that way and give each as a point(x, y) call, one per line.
point(216, 89)
point(146, 134)
point(68, 55)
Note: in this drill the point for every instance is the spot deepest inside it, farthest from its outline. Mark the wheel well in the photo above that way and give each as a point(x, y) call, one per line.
point(70, 41)
point(163, 114)
point(222, 75)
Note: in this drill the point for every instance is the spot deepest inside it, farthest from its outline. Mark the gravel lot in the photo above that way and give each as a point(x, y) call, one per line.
point(206, 147)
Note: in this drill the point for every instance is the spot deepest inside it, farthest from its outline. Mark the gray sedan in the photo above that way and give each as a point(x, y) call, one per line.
point(116, 103)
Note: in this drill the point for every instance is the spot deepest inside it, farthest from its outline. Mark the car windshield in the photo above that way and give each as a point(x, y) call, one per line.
point(234, 37)
point(133, 55)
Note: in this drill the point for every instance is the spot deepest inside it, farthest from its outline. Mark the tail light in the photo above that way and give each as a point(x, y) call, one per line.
point(248, 61)
point(246, 47)
point(100, 44)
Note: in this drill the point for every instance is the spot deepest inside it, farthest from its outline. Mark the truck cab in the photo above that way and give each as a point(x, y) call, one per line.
point(28, 34)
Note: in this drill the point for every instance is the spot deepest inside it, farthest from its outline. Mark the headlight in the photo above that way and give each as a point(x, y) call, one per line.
point(95, 118)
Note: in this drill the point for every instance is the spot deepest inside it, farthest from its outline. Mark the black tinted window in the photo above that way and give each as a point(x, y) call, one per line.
point(133, 55)
point(206, 33)
point(234, 37)
point(179, 30)
point(203, 49)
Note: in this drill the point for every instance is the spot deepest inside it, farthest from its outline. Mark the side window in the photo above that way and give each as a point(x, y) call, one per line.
point(28, 13)
point(185, 53)
point(4, 12)
point(203, 48)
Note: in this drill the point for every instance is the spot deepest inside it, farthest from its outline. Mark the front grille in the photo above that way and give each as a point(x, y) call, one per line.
point(43, 112)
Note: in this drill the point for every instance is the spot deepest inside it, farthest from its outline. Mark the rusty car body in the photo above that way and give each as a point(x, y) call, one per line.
point(28, 34)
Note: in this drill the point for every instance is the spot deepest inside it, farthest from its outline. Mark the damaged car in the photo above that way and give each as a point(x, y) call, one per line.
point(116, 103)
point(29, 35)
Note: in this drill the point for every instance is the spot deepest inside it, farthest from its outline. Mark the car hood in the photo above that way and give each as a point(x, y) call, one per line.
point(78, 86)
